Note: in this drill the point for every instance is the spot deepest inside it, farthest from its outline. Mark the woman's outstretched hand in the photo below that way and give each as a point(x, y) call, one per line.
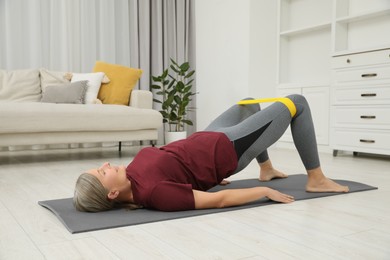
point(236, 197)
point(279, 197)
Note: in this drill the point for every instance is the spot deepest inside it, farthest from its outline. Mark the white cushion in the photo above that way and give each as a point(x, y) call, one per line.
point(94, 82)
point(20, 85)
point(48, 117)
point(50, 78)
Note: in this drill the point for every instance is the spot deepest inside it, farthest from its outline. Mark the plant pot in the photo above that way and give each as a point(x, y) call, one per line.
point(174, 136)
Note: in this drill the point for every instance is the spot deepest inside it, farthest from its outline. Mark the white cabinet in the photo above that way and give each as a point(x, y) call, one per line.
point(360, 102)
point(316, 37)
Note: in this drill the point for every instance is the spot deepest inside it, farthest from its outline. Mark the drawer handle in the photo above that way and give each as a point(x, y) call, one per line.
point(368, 95)
point(367, 141)
point(368, 117)
point(369, 75)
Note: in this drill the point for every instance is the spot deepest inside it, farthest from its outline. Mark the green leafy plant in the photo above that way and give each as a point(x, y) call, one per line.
point(174, 86)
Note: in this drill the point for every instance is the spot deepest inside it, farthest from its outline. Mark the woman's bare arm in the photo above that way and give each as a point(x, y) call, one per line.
point(236, 197)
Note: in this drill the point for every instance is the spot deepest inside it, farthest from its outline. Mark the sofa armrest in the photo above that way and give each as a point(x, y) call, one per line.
point(141, 99)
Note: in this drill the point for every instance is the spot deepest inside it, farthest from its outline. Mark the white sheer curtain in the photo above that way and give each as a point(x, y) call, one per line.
point(71, 35)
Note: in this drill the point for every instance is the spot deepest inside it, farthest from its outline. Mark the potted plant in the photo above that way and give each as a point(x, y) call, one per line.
point(174, 86)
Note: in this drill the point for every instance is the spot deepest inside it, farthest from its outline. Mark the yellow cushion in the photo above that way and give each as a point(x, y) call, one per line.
point(122, 82)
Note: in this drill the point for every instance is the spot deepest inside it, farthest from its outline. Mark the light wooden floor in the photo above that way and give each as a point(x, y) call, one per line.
point(352, 226)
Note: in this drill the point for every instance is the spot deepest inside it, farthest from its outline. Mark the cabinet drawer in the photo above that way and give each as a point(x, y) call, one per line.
point(361, 59)
point(361, 95)
point(361, 117)
point(361, 139)
point(363, 75)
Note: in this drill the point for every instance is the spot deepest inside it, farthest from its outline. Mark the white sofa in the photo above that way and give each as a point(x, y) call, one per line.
point(25, 120)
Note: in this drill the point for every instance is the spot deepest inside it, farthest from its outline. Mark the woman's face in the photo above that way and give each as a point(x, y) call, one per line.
point(110, 176)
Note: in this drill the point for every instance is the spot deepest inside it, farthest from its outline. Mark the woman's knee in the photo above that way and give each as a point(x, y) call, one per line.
point(300, 103)
point(298, 99)
point(253, 107)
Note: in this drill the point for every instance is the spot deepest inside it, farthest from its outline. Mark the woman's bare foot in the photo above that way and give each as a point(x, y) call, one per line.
point(224, 182)
point(317, 182)
point(268, 172)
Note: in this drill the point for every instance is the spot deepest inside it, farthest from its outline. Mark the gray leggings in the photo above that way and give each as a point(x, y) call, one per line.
point(252, 130)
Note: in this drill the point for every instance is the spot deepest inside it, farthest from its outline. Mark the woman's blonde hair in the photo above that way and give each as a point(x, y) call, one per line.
point(91, 196)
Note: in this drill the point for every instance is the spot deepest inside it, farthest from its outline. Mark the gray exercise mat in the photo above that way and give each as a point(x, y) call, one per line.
point(77, 222)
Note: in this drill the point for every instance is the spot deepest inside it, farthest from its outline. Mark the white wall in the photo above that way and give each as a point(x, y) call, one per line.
point(263, 48)
point(222, 54)
point(235, 53)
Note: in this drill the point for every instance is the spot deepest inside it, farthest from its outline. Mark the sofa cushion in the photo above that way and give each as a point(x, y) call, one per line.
point(49, 77)
point(68, 93)
point(122, 81)
point(25, 117)
point(94, 83)
point(20, 85)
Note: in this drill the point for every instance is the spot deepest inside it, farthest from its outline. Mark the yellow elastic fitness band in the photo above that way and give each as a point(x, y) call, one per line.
point(286, 101)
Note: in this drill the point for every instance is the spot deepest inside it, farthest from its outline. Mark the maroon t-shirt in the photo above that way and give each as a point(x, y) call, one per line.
point(163, 178)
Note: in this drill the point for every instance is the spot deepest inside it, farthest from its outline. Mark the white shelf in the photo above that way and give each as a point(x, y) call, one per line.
point(364, 16)
point(362, 50)
point(307, 29)
point(312, 31)
point(304, 85)
point(362, 31)
point(303, 15)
